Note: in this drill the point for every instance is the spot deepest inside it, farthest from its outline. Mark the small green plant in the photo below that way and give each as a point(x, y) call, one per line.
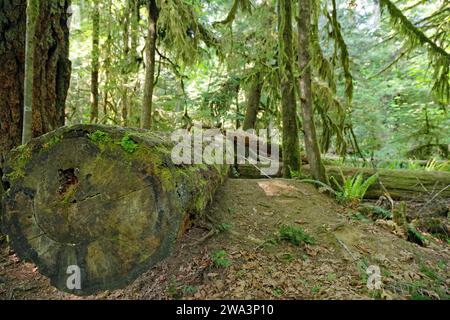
point(295, 235)
point(52, 142)
point(221, 259)
point(172, 289)
point(128, 144)
point(430, 273)
point(415, 236)
point(431, 165)
point(189, 290)
point(295, 174)
point(442, 264)
point(353, 189)
point(316, 289)
point(224, 227)
point(99, 136)
point(375, 212)
point(278, 292)
point(413, 165)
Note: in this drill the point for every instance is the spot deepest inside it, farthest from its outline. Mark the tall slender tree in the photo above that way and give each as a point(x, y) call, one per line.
point(291, 148)
point(30, 45)
point(95, 63)
point(150, 53)
point(307, 110)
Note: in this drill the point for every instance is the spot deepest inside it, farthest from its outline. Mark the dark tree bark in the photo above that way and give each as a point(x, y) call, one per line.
point(51, 69)
point(304, 61)
point(291, 148)
point(153, 11)
point(95, 63)
point(253, 101)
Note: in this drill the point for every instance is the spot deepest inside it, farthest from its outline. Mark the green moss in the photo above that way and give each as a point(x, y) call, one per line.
point(52, 142)
point(18, 163)
point(128, 144)
point(99, 137)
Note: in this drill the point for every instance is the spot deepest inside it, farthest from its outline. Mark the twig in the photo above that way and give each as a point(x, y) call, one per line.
point(346, 249)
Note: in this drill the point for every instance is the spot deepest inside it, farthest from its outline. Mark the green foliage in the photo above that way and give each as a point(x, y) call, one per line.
point(189, 290)
point(353, 189)
point(416, 236)
point(295, 235)
point(224, 227)
point(370, 86)
point(128, 144)
point(278, 292)
point(221, 259)
point(434, 165)
point(440, 59)
point(376, 212)
point(99, 137)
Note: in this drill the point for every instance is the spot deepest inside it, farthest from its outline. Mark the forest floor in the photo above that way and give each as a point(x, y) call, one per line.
point(248, 260)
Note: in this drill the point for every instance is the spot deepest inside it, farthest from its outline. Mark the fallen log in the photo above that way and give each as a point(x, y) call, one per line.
point(104, 202)
point(401, 184)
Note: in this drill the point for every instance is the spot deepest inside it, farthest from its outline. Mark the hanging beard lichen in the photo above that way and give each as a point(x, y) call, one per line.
point(415, 37)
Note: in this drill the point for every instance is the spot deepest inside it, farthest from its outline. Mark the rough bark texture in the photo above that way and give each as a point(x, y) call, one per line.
point(108, 200)
point(304, 62)
point(253, 100)
point(51, 69)
point(291, 148)
point(153, 11)
point(95, 63)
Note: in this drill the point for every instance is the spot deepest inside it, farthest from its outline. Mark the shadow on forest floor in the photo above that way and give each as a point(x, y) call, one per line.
point(247, 259)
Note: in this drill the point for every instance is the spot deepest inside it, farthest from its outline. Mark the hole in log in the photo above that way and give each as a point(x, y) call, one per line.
point(67, 178)
point(6, 184)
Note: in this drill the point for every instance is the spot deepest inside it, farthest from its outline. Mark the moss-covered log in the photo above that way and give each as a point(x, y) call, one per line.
point(401, 184)
point(107, 200)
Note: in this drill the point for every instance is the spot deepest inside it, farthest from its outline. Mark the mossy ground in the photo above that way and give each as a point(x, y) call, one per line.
point(260, 266)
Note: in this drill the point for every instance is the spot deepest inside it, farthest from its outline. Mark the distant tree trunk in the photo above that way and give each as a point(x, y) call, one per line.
point(51, 69)
point(135, 6)
point(253, 101)
point(135, 18)
point(291, 148)
point(304, 58)
point(128, 61)
point(30, 45)
point(95, 60)
point(150, 51)
point(107, 60)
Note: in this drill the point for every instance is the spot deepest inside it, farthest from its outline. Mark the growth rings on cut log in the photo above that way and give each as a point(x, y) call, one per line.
point(105, 202)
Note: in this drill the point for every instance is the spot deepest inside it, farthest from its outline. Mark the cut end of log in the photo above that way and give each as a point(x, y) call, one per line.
point(105, 202)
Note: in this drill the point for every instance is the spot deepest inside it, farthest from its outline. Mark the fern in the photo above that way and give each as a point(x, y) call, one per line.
point(353, 189)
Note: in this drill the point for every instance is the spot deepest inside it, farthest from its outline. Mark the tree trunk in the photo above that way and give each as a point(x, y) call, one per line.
point(307, 110)
point(108, 200)
point(253, 100)
point(128, 61)
point(95, 60)
point(150, 50)
point(30, 45)
point(291, 149)
point(51, 69)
